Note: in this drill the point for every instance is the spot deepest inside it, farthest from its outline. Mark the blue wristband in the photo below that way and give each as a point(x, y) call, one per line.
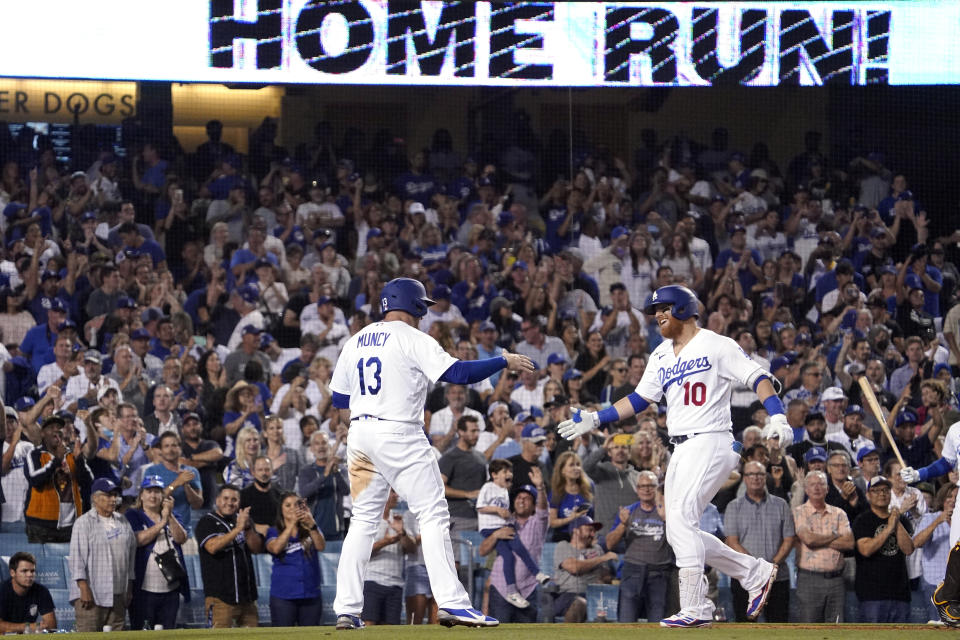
point(610, 414)
point(773, 405)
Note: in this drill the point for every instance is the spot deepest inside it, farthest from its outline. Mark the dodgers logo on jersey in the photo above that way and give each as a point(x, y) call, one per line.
point(682, 369)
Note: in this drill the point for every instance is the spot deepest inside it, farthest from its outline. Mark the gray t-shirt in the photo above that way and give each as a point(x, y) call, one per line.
point(646, 537)
point(466, 471)
point(566, 581)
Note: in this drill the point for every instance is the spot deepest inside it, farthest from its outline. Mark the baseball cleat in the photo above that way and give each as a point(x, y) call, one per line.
point(465, 618)
point(949, 612)
point(346, 621)
point(683, 621)
point(758, 598)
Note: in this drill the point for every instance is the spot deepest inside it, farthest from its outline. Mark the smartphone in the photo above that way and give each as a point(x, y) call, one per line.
point(200, 341)
point(178, 195)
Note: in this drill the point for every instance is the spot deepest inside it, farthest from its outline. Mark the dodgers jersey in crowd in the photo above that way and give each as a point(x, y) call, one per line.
point(379, 369)
point(697, 382)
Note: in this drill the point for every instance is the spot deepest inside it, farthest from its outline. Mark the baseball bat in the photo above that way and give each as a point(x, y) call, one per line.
point(878, 414)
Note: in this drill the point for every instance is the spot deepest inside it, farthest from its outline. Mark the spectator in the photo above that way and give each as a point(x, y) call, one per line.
point(248, 349)
point(530, 525)
point(180, 481)
point(134, 443)
point(227, 539)
point(933, 536)
point(815, 431)
point(442, 431)
point(843, 491)
point(532, 439)
point(261, 496)
point(285, 460)
point(383, 583)
point(102, 560)
point(852, 435)
point(614, 478)
point(463, 470)
point(202, 455)
point(83, 390)
point(571, 494)
point(57, 480)
point(323, 485)
point(14, 485)
point(242, 409)
point(156, 600)
point(869, 460)
point(823, 534)
point(240, 471)
point(579, 562)
point(25, 605)
point(883, 540)
point(163, 418)
point(909, 501)
point(761, 525)
point(492, 513)
point(538, 346)
point(648, 563)
point(295, 541)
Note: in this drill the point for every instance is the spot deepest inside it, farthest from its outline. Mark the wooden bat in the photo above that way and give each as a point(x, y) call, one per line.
point(871, 399)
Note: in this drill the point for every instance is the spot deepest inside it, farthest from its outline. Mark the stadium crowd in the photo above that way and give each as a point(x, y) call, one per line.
point(170, 322)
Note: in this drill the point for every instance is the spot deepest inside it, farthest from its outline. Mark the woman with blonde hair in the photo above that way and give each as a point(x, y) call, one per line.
point(240, 471)
point(214, 252)
point(571, 494)
point(648, 454)
point(286, 461)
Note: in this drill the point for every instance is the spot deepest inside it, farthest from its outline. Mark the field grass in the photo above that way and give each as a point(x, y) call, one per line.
point(725, 631)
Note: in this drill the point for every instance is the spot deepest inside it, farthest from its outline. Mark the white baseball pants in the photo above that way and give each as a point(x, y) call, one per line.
point(697, 470)
point(383, 454)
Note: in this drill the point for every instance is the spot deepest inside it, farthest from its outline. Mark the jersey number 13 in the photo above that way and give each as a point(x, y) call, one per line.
point(372, 363)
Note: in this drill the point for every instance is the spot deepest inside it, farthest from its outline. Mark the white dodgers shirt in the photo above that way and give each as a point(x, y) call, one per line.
point(384, 369)
point(697, 382)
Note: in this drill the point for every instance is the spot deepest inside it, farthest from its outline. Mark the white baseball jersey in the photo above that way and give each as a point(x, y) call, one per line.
point(697, 382)
point(951, 452)
point(385, 367)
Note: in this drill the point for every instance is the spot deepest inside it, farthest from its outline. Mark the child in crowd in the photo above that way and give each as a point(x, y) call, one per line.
point(493, 512)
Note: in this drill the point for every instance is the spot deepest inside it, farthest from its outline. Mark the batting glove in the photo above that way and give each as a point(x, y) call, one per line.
point(778, 427)
point(909, 475)
point(581, 423)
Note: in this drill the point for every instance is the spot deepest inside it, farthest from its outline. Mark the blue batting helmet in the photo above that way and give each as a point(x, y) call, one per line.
point(405, 294)
point(684, 301)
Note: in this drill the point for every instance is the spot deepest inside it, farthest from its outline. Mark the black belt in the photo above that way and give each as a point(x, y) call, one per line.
point(364, 417)
point(676, 440)
point(822, 574)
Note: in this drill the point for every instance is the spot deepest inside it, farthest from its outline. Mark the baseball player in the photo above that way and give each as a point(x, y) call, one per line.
point(381, 377)
point(696, 369)
point(946, 597)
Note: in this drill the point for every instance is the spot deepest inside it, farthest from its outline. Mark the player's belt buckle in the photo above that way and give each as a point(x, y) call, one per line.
point(364, 417)
point(675, 440)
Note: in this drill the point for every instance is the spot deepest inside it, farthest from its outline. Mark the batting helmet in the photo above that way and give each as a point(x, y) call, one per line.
point(405, 294)
point(684, 301)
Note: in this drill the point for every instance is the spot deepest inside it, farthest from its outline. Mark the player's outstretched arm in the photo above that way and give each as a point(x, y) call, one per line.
point(583, 422)
point(934, 470)
point(470, 371)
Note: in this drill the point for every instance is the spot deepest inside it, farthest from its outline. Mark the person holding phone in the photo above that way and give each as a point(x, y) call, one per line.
point(294, 542)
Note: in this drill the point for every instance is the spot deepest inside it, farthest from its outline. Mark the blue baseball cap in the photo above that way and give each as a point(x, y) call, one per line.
point(56, 304)
point(556, 358)
point(13, 209)
point(528, 488)
point(913, 281)
point(103, 485)
point(505, 218)
point(619, 231)
point(815, 453)
point(523, 417)
point(440, 292)
point(585, 521)
point(864, 451)
point(126, 302)
point(152, 482)
point(266, 339)
point(374, 233)
point(248, 293)
point(49, 275)
point(572, 373)
point(521, 265)
point(140, 334)
point(24, 403)
point(251, 330)
point(534, 433)
point(854, 409)
point(66, 324)
point(150, 314)
point(88, 215)
point(906, 416)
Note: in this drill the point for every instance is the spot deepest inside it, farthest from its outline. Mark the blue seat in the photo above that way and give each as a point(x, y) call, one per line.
point(328, 568)
point(333, 546)
point(546, 557)
point(60, 549)
point(328, 592)
point(263, 566)
point(263, 605)
point(193, 571)
point(51, 572)
point(10, 543)
point(191, 613)
point(475, 538)
point(14, 527)
point(602, 598)
point(66, 616)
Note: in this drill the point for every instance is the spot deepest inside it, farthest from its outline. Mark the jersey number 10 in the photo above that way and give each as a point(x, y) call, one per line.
point(693, 393)
point(371, 362)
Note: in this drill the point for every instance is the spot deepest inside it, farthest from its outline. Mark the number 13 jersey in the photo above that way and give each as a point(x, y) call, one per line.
point(384, 369)
point(697, 382)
